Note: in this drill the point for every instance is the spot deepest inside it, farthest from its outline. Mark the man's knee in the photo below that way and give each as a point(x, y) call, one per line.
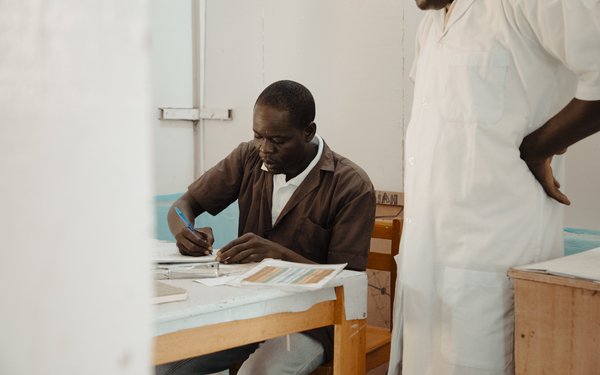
point(290, 355)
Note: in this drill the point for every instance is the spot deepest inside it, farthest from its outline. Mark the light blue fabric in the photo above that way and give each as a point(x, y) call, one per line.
point(224, 225)
point(162, 203)
point(578, 240)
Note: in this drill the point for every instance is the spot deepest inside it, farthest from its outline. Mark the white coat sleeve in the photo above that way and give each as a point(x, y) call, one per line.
point(570, 31)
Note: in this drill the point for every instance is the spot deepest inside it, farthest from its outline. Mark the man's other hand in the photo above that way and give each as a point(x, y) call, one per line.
point(250, 248)
point(542, 170)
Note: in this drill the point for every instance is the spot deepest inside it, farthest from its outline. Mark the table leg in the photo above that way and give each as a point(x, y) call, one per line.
point(349, 340)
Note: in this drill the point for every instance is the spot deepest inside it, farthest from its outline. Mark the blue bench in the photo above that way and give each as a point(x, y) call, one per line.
point(224, 225)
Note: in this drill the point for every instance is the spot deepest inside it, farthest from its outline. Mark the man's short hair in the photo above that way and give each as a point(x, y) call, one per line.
point(291, 97)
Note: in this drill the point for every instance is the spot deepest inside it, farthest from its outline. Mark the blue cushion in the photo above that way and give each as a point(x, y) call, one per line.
point(578, 240)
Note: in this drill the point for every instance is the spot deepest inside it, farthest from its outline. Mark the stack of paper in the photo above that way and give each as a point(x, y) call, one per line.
point(584, 265)
point(186, 270)
point(170, 264)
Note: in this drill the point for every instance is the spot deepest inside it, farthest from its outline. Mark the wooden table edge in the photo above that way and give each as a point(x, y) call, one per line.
point(349, 337)
point(575, 282)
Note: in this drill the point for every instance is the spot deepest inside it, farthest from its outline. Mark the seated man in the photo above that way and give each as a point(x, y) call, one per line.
point(298, 200)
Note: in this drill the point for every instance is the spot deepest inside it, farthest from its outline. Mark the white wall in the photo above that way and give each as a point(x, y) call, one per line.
point(583, 184)
point(331, 47)
point(354, 55)
point(75, 191)
point(172, 87)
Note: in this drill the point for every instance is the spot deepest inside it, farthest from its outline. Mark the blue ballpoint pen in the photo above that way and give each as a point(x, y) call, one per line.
point(184, 219)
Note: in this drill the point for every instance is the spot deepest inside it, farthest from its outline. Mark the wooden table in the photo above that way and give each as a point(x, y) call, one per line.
point(209, 327)
point(557, 324)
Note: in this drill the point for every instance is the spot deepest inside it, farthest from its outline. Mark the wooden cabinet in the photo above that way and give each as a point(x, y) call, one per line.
point(557, 324)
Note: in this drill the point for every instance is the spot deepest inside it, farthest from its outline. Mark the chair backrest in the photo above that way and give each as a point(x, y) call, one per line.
point(388, 230)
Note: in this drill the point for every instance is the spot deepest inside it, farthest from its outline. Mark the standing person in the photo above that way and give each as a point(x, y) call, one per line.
point(299, 201)
point(501, 88)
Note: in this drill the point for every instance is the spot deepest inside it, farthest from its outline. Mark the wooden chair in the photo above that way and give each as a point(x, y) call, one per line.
point(378, 339)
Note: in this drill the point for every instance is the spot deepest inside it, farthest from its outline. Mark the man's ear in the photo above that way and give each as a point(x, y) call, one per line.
point(309, 131)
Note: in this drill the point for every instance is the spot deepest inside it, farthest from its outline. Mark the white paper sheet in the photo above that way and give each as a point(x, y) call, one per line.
point(585, 265)
point(167, 252)
point(222, 280)
point(229, 274)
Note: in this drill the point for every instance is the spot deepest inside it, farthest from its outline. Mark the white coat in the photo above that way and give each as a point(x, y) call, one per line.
point(497, 71)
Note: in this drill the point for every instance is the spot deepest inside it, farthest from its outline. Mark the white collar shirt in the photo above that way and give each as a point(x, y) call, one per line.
point(283, 190)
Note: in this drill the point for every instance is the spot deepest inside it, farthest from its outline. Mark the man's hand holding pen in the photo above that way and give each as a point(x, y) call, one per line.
point(197, 242)
point(193, 241)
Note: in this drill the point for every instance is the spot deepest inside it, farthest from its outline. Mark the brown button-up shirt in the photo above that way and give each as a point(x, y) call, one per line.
point(328, 219)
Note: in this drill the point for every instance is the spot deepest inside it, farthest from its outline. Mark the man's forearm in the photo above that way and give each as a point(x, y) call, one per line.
point(578, 120)
point(187, 208)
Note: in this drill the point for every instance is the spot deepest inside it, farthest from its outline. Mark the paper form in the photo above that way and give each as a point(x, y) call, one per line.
point(290, 275)
point(167, 252)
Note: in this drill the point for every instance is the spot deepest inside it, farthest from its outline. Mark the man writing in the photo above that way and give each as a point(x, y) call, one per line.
point(298, 200)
